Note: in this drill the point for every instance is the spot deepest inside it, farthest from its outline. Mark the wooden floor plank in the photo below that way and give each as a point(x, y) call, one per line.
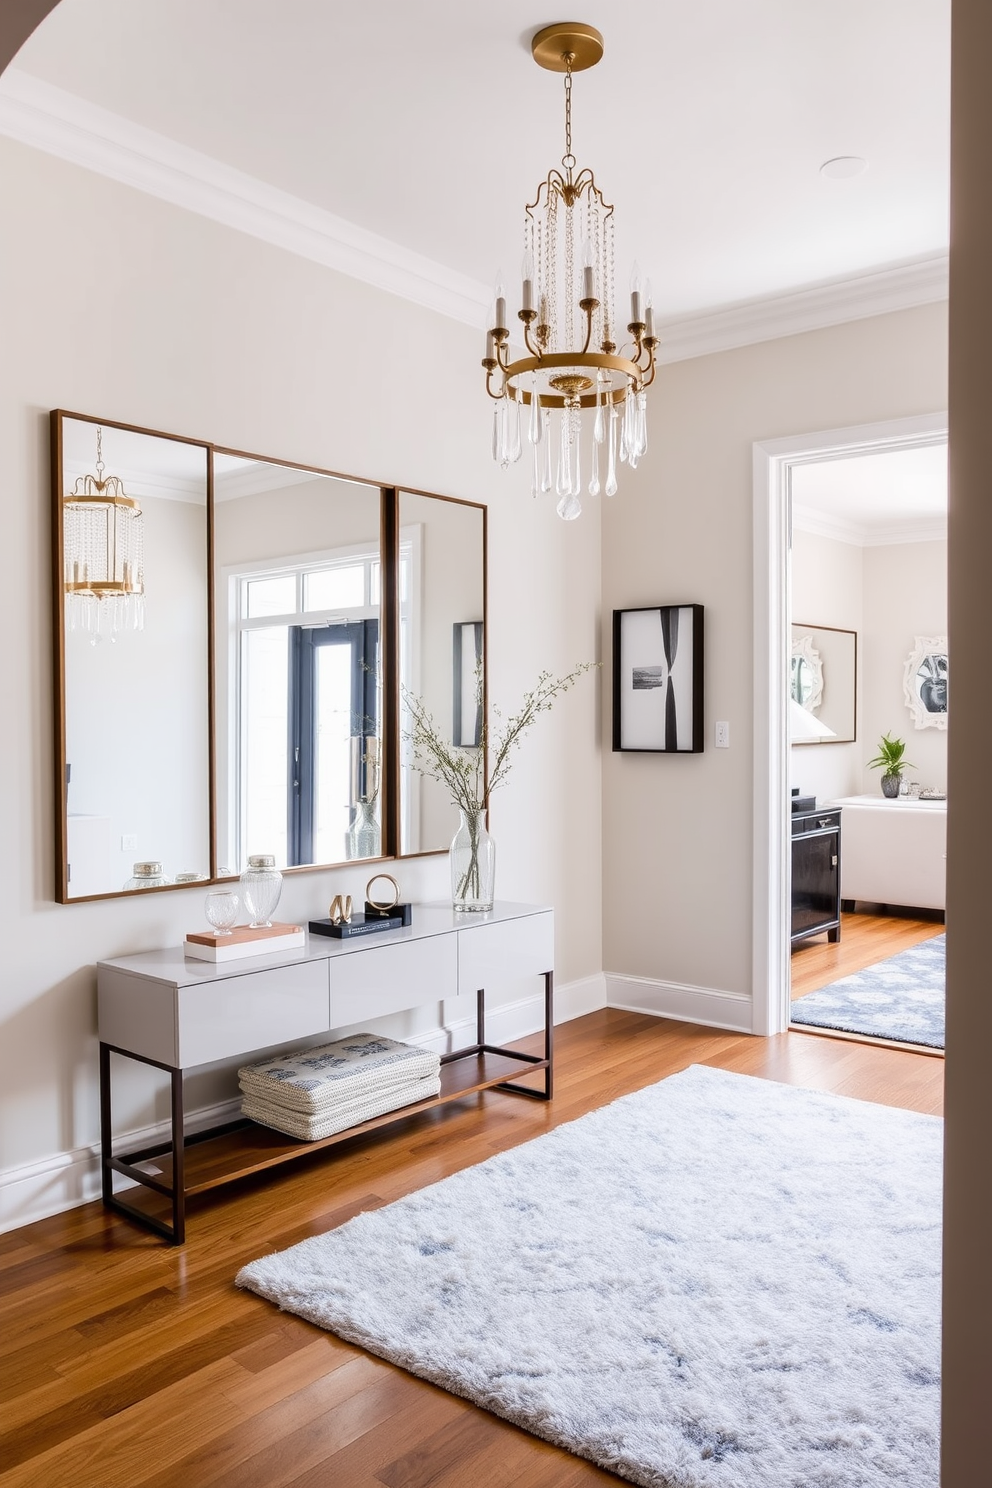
point(126, 1363)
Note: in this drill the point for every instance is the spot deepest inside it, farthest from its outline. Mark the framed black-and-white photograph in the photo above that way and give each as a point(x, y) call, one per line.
point(466, 729)
point(658, 679)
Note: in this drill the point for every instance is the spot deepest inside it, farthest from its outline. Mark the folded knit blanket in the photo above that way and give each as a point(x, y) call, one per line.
point(353, 1113)
point(317, 1080)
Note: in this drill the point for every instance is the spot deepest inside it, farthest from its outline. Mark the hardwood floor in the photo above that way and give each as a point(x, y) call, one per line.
point(864, 940)
point(126, 1363)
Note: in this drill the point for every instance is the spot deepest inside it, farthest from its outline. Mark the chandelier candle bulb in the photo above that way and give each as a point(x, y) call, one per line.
point(500, 303)
point(527, 276)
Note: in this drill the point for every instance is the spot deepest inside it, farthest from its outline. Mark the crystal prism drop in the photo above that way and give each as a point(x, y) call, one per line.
point(599, 427)
point(594, 474)
point(514, 432)
point(611, 459)
point(535, 426)
point(546, 446)
point(569, 507)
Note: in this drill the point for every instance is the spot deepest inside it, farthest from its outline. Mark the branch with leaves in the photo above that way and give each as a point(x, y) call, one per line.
point(462, 770)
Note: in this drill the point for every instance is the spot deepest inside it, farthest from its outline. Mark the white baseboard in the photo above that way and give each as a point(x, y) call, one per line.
point(686, 1004)
point(36, 1190)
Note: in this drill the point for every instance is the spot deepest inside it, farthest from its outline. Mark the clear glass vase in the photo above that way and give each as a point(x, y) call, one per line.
point(261, 886)
point(364, 838)
point(473, 863)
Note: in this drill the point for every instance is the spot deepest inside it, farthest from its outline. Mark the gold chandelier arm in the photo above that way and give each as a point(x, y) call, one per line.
point(489, 385)
point(535, 351)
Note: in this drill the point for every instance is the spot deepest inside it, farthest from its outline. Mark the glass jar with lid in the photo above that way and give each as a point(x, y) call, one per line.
point(261, 885)
point(147, 876)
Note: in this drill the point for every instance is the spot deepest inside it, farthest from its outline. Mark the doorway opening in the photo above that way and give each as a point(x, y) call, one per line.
point(839, 661)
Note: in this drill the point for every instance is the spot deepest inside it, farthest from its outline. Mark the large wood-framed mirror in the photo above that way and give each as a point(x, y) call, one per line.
point(132, 639)
point(237, 687)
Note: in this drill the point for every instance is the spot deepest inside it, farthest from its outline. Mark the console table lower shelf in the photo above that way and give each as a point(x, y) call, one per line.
point(193, 1163)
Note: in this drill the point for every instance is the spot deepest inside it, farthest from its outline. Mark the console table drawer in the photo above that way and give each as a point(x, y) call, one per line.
point(490, 954)
point(392, 978)
point(218, 1020)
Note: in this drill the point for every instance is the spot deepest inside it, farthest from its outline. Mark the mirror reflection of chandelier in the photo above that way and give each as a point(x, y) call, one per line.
point(102, 545)
point(567, 307)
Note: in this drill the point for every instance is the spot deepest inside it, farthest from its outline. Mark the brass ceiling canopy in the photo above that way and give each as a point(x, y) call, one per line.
point(578, 361)
point(552, 47)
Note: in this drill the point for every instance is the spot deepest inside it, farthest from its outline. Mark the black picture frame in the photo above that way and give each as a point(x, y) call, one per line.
point(466, 710)
point(658, 679)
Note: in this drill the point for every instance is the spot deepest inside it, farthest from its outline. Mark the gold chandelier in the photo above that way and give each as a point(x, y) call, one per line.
point(567, 308)
point(103, 554)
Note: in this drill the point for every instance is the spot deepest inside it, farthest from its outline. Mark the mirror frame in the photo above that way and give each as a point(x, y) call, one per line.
point(822, 649)
point(389, 517)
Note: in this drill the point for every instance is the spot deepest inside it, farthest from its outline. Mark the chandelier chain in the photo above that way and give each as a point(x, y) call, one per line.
point(568, 159)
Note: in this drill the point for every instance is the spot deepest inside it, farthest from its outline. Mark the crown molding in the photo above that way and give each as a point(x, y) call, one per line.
point(62, 124)
point(862, 535)
point(902, 286)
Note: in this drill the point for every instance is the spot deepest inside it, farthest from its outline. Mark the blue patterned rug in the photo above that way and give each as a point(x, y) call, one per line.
point(901, 998)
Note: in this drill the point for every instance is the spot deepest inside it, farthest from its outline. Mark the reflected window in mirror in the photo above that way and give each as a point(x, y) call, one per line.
point(133, 651)
point(299, 706)
point(442, 647)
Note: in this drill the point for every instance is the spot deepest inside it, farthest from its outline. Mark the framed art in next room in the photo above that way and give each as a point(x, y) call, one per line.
point(658, 679)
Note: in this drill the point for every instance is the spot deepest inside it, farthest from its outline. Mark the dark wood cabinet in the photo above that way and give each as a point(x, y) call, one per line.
point(815, 874)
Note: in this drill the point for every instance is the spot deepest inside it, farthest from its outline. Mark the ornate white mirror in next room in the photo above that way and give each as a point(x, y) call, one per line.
point(824, 679)
point(131, 587)
point(298, 674)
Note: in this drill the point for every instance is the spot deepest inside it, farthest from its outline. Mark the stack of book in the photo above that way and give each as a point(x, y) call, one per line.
point(314, 1093)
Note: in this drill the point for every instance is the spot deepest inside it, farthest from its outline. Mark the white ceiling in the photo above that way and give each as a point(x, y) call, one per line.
point(871, 500)
point(430, 125)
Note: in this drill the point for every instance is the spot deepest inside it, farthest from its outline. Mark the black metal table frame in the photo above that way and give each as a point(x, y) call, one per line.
point(127, 1163)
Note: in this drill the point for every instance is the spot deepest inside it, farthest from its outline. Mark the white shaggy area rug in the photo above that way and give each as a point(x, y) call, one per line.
point(716, 1281)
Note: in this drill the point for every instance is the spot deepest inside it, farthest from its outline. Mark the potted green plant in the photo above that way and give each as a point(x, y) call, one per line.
point(890, 761)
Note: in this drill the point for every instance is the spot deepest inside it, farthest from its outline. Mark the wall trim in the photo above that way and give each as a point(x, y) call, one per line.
point(51, 119)
point(909, 530)
point(37, 1190)
point(684, 1003)
point(58, 122)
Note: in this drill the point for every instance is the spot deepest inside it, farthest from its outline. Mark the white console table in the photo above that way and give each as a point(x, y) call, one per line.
point(163, 1009)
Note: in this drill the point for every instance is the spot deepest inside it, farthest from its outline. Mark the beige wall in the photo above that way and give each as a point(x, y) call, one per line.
point(905, 597)
point(678, 830)
point(194, 329)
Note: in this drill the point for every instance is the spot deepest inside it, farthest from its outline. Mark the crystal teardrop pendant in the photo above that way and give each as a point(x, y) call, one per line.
point(594, 473)
point(563, 483)
point(535, 426)
point(513, 442)
point(569, 507)
point(574, 430)
point(599, 427)
point(611, 453)
point(546, 446)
